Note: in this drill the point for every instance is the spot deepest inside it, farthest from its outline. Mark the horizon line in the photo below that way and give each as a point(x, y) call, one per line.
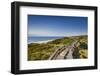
point(60, 36)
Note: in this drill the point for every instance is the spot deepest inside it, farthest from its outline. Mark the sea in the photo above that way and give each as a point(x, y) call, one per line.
point(40, 38)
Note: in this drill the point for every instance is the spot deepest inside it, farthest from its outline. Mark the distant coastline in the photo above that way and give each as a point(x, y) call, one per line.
point(40, 42)
point(41, 39)
point(45, 40)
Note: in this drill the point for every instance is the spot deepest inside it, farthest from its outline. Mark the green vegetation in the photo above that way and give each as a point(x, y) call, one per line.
point(83, 47)
point(83, 53)
point(44, 50)
point(39, 51)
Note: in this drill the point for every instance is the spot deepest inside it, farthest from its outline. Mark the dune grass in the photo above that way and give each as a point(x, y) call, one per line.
point(44, 51)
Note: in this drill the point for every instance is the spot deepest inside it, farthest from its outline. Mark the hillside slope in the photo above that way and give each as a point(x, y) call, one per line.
point(44, 50)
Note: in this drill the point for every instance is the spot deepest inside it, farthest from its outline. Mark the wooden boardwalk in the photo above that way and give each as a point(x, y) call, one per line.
point(64, 52)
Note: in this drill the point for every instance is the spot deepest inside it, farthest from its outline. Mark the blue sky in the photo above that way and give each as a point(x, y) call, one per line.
point(39, 25)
